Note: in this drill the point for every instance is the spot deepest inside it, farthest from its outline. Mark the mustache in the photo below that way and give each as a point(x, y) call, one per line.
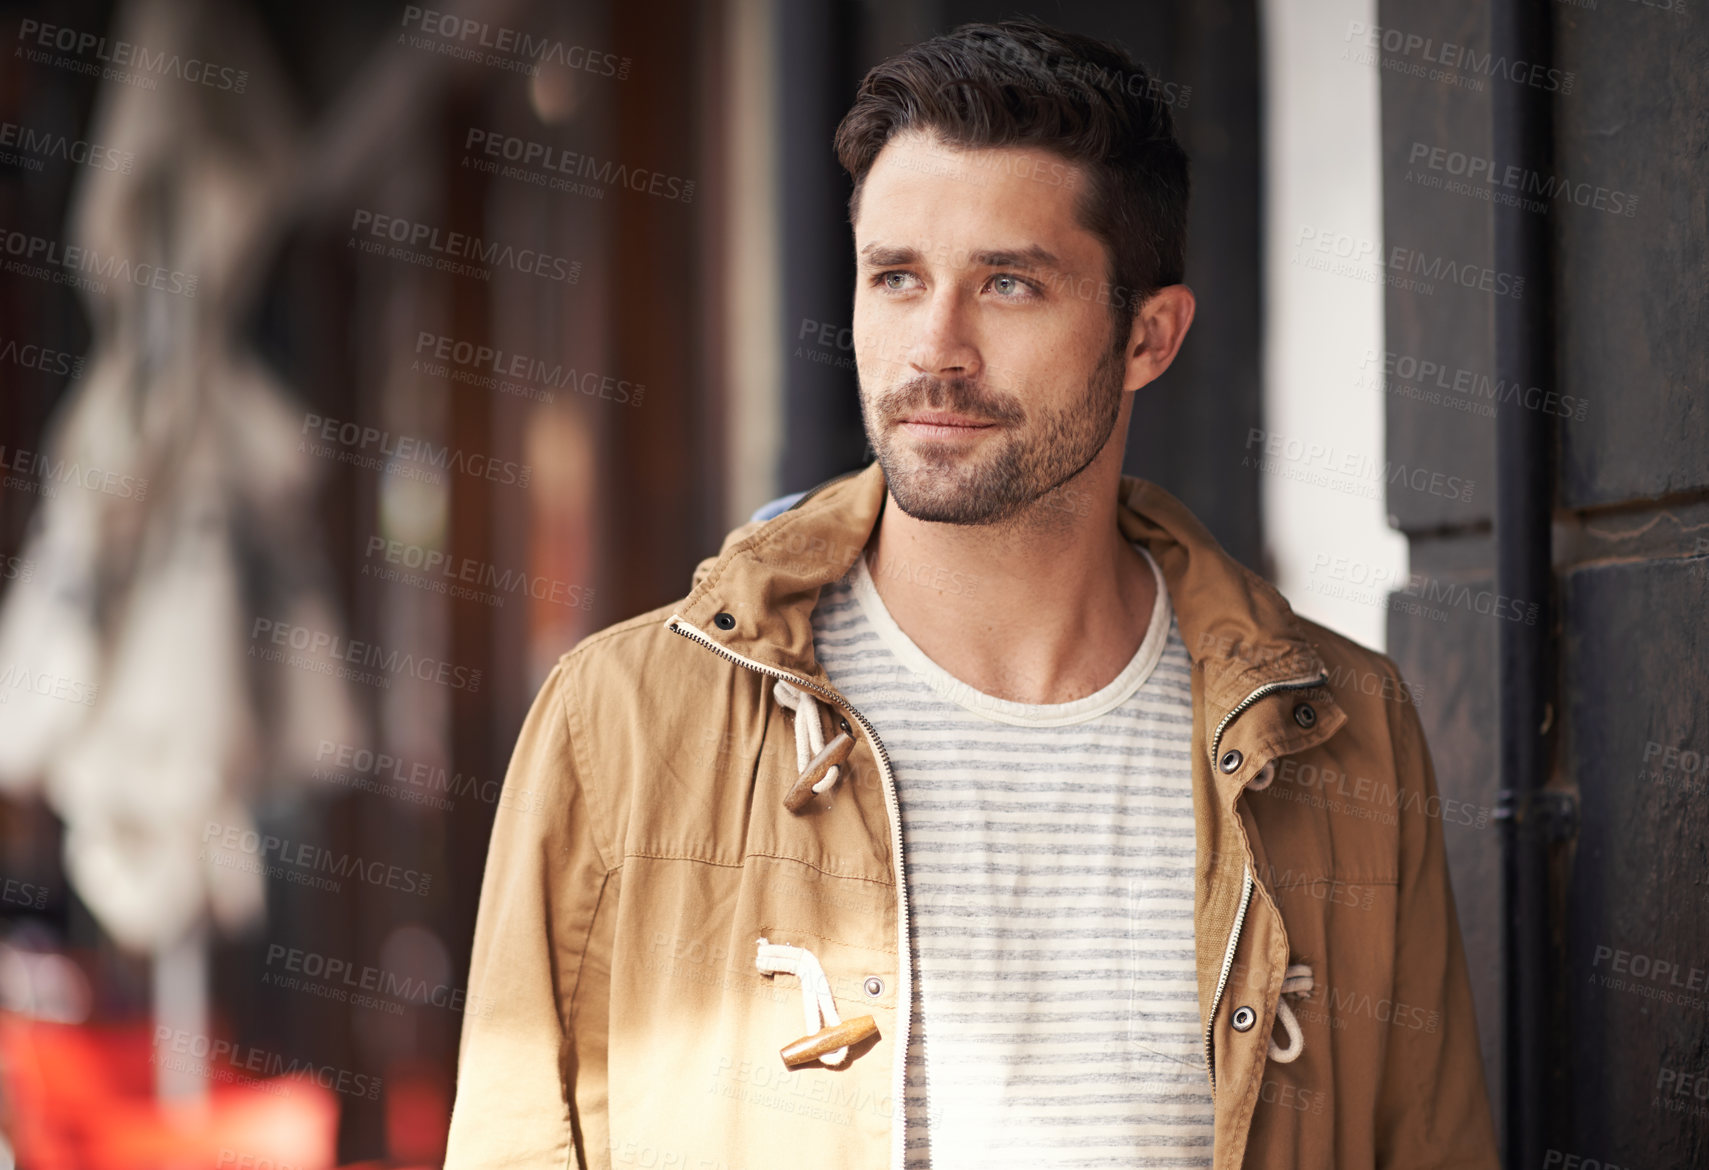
point(963, 396)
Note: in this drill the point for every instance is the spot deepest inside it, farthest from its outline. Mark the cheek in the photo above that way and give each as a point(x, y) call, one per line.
point(1027, 368)
point(876, 348)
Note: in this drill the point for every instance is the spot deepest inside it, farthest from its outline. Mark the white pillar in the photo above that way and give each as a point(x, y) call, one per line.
point(1322, 134)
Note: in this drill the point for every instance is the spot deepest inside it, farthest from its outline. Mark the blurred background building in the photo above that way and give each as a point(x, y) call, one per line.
point(358, 359)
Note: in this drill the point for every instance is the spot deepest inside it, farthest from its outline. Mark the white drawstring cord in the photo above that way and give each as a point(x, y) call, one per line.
point(809, 731)
point(819, 1009)
point(1296, 980)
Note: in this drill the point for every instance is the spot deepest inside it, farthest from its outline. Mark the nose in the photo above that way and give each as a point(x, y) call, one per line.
point(943, 345)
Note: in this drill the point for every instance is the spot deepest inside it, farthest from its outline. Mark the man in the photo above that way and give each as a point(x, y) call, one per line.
point(978, 809)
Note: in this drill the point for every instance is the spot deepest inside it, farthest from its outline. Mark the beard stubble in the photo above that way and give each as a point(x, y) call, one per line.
point(1007, 472)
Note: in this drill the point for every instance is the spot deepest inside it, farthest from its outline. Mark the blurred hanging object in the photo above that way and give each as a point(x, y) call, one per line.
point(190, 517)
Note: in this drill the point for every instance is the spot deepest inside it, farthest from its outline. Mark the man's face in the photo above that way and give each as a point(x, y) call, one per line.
point(989, 371)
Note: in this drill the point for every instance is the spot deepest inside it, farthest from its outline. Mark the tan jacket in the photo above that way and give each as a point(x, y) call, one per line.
point(642, 850)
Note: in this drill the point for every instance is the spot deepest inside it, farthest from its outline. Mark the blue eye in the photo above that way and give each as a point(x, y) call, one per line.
point(1011, 287)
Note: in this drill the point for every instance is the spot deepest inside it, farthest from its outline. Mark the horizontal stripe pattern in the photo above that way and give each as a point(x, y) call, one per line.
point(1049, 855)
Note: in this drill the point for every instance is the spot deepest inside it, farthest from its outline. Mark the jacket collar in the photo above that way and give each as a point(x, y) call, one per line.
point(1239, 630)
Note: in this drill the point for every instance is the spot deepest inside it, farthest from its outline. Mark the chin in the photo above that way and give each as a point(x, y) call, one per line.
point(942, 498)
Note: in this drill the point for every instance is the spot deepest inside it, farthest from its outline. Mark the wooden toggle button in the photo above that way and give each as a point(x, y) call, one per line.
point(831, 754)
point(810, 1048)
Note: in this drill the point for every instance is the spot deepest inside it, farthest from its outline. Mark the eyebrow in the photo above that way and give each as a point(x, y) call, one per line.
point(1031, 257)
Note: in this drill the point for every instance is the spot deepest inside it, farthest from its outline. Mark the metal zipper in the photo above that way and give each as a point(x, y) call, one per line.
point(905, 1004)
point(1246, 881)
point(1227, 964)
point(1315, 680)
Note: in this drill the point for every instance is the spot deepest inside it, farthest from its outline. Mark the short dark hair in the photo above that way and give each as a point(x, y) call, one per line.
point(1020, 83)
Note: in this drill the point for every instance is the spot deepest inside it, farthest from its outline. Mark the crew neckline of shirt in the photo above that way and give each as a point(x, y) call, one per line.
point(947, 686)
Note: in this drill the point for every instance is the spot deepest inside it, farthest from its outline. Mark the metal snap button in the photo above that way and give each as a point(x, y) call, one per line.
point(1231, 761)
point(874, 986)
point(843, 723)
point(1304, 715)
point(1244, 1018)
point(724, 621)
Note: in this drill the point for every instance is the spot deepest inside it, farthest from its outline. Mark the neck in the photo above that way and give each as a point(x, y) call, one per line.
point(1046, 607)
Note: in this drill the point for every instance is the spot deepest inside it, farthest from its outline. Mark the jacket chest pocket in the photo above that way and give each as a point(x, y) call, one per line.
point(841, 833)
point(1318, 824)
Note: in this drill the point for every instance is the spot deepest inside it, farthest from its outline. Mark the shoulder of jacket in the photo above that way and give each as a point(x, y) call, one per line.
point(1367, 683)
point(1342, 654)
point(637, 656)
point(621, 639)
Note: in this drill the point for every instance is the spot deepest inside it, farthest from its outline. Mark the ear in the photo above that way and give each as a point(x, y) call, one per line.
point(1156, 334)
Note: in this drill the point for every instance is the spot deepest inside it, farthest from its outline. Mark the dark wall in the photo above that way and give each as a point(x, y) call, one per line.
point(1627, 1005)
point(1449, 649)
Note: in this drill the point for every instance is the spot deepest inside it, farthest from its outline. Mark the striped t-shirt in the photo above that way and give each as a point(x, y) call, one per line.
point(1048, 850)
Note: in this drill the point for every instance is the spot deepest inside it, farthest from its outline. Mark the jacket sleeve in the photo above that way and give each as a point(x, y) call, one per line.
point(1433, 1107)
point(515, 1102)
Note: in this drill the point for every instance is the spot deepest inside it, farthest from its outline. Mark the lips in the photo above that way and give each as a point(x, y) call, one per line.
point(945, 428)
point(946, 421)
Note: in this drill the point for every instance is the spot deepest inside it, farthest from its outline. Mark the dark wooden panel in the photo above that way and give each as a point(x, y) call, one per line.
point(1188, 430)
point(1632, 299)
point(1636, 647)
point(1447, 654)
point(1426, 229)
point(818, 76)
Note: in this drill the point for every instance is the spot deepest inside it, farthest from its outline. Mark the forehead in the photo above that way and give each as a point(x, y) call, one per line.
point(924, 193)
